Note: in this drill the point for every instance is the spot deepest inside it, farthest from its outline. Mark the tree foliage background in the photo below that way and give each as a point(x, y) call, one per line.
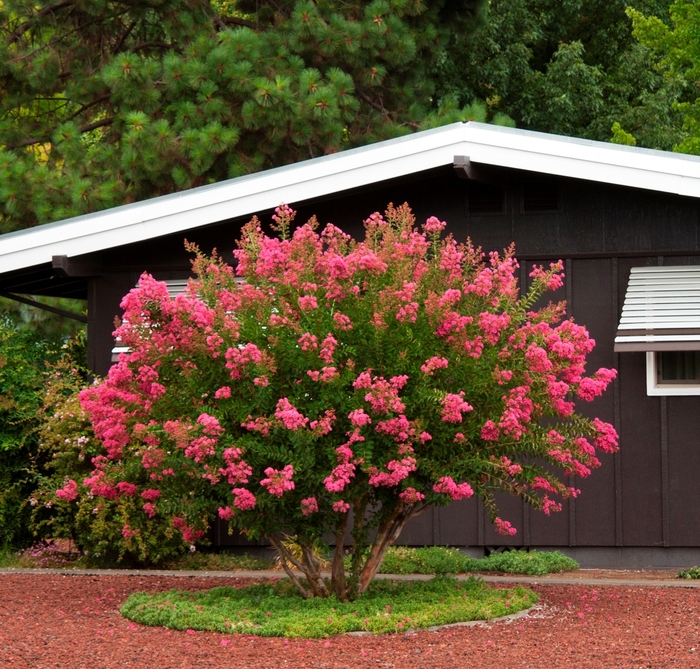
point(105, 102)
point(571, 67)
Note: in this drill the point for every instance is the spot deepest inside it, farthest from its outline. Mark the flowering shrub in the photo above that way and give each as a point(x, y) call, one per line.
point(344, 386)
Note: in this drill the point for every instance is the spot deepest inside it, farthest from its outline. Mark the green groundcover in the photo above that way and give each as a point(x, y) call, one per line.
point(275, 608)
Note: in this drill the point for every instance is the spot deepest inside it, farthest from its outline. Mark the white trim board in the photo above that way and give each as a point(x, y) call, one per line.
point(243, 196)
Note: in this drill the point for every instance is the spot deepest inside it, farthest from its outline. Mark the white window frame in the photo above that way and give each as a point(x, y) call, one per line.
point(656, 389)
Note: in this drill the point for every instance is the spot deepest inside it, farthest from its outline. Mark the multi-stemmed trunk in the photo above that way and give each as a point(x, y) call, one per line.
point(343, 586)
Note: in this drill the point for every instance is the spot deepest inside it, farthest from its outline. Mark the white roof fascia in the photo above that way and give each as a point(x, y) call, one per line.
point(244, 196)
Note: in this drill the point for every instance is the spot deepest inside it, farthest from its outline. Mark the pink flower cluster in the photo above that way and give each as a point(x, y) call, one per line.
point(504, 527)
point(244, 499)
point(278, 481)
point(453, 406)
point(236, 470)
point(290, 417)
point(456, 491)
point(431, 364)
point(309, 506)
point(69, 491)
point(411, 496)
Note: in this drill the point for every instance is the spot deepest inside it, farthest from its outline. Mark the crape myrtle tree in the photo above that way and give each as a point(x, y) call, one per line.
point(104, 102)
point(342, 387)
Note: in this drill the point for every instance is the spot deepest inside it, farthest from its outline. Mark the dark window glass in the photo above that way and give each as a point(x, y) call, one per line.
point(540, 196)
point(678, 366)
point(485, 199)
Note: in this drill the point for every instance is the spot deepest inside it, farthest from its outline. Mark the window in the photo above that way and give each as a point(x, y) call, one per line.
point(661, 316)
point(673, 372)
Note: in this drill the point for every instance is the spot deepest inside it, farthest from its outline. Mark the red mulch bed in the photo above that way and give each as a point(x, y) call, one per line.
point(73, 622)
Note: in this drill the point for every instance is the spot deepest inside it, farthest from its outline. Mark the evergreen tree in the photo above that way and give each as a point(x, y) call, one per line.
point(104, 102)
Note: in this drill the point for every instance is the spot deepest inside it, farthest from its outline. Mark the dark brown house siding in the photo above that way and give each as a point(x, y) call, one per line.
point(645, 497)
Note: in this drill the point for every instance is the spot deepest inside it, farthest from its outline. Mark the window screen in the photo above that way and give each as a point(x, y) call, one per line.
point(678, 367)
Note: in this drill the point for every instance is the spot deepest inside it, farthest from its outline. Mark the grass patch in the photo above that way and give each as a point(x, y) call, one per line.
point(693, 573)
point(276, 608)
point(439, 560)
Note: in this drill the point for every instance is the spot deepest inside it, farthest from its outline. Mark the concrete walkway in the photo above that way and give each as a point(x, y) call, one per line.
point(530, 580)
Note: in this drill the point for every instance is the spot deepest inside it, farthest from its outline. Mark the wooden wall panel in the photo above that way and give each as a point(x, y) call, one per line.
point(683, 468)
point(591, 283)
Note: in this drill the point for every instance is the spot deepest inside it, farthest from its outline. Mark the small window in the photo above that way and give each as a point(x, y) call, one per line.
point(540, 196)
point(485, 199)
point(673, 373)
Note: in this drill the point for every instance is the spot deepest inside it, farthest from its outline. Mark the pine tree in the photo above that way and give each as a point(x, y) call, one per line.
point(104, 102)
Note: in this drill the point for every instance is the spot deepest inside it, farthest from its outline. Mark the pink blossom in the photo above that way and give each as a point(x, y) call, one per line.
point(453, 406)
point(339, 477)
point(549, 505)
point(328, 349)
point(411, 496)
point(431, 364)
point(342, 322)
point(489, 431)
point(226, 513)
point(128, 489)
point(504, 527)
point(341, 506)
point(492, 325)
point(69, 492)
point(359, 418)
point(261, 381)
point(290, 417)
point(223, 393)
point(398, 471)
point(434, 224)
point(128, 533)
point(151, 494)
point(236, 470)
point(456, 491)
point(606, 439)
point(278, 481)
point(323, 425)
point(309, 506)
point(149, 509)
point(308, 342)
point(308, 302)
point(210, 425)
point(424, 437)
point(245, 499)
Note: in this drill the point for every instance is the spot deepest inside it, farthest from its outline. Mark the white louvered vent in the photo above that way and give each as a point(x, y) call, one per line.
point(175, 287)
point(661, 310)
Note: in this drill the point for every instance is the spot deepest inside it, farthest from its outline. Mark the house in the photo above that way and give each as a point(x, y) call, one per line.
point(625, 221)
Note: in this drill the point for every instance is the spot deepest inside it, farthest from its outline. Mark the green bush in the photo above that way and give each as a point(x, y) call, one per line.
point(439, 560)
point(693, 573)
point(277, 609)
point(23, 357)
point(532, 563)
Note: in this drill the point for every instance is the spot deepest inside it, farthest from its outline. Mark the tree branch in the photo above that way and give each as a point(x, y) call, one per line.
point(371, 102)
point(19, 31)
point(235, 21)
point(42, 140)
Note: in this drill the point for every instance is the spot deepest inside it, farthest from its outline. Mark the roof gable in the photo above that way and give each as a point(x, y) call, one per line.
point(382, 161)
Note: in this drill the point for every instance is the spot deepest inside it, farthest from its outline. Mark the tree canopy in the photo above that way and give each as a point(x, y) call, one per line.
point(106, 102)
point(571, 67)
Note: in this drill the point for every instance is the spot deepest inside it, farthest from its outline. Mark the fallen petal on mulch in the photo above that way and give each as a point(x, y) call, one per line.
point(71, 622)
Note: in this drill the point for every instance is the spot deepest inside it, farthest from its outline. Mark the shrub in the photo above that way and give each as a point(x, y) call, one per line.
point(23, 357)
point(533, 563)
point(692, 573)
point(344, 386)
